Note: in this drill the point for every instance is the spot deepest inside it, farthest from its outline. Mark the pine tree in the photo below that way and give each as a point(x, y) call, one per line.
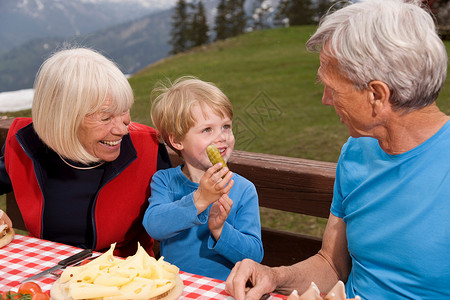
point(295, 12)
point(180, 28)
point(238, 17)
point(281, 18)
point(231, 19)
point(261, 18)
point(199, 26)
point(321, 8)
point(441, 9)
point(221, 21)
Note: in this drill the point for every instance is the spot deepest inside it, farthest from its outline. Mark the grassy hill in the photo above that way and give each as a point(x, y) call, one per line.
point(271, 80)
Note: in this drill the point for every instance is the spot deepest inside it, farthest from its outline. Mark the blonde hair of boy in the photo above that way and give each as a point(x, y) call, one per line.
point(70, 85)
point(172, 105)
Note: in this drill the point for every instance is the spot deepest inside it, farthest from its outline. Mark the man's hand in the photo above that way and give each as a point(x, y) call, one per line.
point(250, 280)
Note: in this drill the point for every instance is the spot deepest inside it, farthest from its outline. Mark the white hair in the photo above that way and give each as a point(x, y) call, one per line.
point(70, 85)
point(394, 41)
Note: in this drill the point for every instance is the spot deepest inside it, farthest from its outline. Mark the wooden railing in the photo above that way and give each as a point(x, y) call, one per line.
point(283, 183)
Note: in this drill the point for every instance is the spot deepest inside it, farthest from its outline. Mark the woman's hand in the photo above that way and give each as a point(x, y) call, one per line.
point(214, 183)
point(218, 215)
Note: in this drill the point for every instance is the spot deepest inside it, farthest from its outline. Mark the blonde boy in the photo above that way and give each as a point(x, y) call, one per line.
point(206, 217)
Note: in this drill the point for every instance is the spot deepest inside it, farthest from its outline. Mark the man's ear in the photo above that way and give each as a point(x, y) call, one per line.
point(176, 144)
point(379, 95)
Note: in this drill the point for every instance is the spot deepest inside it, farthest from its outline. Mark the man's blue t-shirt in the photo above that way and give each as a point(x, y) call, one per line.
point(397, 212)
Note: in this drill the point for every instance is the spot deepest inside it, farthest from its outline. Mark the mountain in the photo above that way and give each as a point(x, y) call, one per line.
point(132, 45)
point(25, 20)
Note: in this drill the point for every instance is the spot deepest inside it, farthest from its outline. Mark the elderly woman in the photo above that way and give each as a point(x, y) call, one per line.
point(388, 234)
point(80, 169)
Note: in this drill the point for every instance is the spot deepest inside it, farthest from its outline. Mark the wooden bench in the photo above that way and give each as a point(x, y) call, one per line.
point(283, 183)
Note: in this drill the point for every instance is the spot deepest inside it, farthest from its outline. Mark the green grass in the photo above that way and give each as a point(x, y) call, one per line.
point(271, 80)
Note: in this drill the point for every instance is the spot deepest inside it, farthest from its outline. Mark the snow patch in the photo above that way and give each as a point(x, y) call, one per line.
point(16, 100)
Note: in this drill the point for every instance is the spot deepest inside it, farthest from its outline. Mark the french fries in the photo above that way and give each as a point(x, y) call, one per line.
point(214, 155)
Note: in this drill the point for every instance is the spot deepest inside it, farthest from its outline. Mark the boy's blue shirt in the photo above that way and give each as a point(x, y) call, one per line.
point(185, 239)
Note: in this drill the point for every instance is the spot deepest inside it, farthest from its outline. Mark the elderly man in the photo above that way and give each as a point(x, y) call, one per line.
point(388, 234)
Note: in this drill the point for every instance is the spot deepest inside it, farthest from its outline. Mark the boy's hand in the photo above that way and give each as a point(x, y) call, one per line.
point(218, 215)
point(212, 186)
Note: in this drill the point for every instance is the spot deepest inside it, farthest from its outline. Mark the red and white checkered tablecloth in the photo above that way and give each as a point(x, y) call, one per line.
point(26, 256)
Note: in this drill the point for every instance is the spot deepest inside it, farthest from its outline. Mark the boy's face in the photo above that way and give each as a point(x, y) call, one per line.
point(210, 128)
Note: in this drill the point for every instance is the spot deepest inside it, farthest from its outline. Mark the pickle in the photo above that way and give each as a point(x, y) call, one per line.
point(214, 155)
